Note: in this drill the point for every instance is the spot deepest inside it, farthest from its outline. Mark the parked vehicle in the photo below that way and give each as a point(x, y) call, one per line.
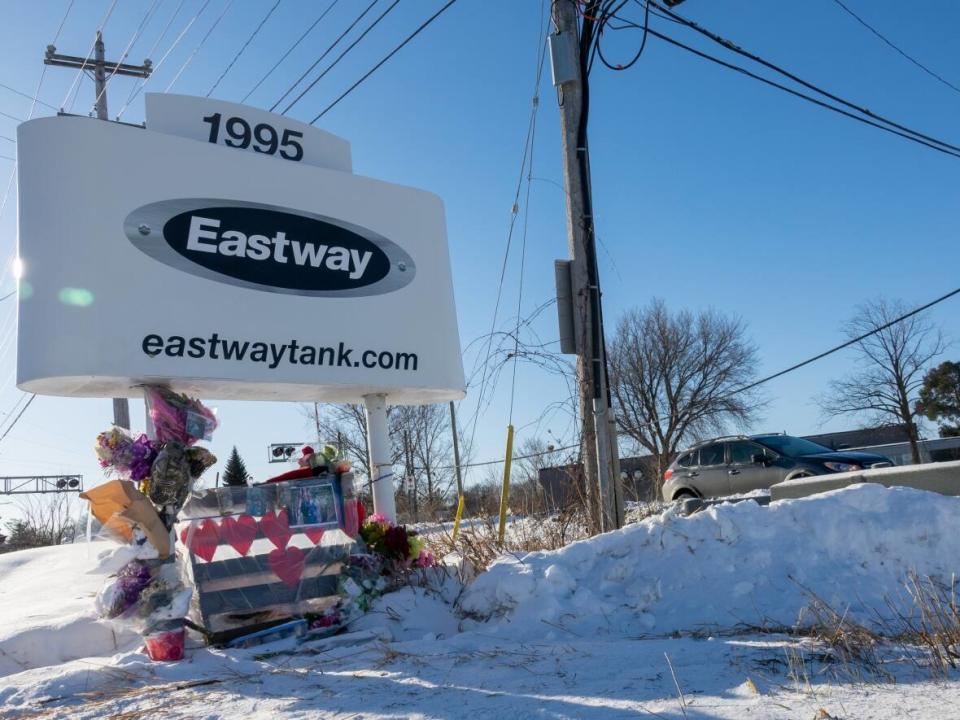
point(741, 463)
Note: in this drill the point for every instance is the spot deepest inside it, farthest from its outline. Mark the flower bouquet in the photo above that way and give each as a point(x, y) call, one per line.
point(121, 454)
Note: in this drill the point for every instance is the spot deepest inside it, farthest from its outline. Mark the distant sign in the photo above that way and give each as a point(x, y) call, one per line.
point(152, 257)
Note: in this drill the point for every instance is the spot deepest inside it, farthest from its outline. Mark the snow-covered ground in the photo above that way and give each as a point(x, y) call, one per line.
point(656, 620)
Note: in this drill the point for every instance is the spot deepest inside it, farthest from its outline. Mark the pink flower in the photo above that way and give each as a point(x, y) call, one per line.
point(378, 518)
point(426, 559)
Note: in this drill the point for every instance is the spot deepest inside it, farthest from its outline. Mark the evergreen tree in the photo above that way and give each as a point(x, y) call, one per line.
point(235, 473)
point(940, 398)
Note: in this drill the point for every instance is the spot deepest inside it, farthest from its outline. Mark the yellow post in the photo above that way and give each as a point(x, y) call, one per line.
point(456, 521)
point(505, 494)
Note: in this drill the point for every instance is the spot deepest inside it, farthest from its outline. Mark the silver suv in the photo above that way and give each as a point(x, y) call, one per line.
point(741, 463)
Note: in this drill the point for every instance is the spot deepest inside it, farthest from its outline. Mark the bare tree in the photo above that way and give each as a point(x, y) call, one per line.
point(676, 378)
point(891, 360)
point(44, 520)
point(421, 448)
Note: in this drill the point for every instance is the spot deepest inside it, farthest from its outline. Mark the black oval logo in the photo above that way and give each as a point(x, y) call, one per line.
point(269, 248)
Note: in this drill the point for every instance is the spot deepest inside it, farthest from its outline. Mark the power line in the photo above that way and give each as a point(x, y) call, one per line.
point(12, 117)
point(240, 52)
point(803, 96)
point(28, 97)
point(137, 90)
point(12, 425)
point(514, 211)
point(501, 460)
point(290, 49)
point(340, 57)
point(203, 41)
point(729, 45)
point(126, 51)
point(76, 79)
point(376, 67)
point(892, 45)
point(542, 53)
point(324, 54)
point(847, 344)
point(166, 28)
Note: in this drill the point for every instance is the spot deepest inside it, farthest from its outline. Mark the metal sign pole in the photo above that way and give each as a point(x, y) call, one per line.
point(381, 466)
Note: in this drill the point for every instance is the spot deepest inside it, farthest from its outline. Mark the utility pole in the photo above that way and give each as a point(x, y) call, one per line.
point(598, 438)
point(99, 67)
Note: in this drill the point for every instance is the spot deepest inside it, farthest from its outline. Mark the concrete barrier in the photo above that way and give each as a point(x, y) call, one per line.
point(941, 477)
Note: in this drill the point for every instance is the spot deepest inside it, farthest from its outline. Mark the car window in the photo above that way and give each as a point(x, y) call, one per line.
point(712, 454)
point(685, 460)
point(741, 453)
point(792, 446)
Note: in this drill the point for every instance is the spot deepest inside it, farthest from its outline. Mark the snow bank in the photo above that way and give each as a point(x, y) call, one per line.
point(47, 615)
point(730, 564)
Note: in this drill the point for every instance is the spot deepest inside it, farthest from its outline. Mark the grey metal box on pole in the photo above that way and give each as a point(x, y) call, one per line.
point(568, 338)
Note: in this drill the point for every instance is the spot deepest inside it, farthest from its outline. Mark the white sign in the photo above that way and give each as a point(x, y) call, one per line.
point(149, 257)
point(246, 128)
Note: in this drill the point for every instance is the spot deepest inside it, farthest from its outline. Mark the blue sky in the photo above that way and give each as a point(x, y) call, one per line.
point(710, 189)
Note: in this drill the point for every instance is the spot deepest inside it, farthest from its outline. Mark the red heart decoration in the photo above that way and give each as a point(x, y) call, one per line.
point(203, 540)
point(239, 532)
point(288, 564)
point(351, 520)
point(183, 536)
point(315, 534)
point(276, 528)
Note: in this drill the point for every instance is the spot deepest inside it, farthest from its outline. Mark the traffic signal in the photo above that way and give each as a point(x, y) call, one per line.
point(282, 452)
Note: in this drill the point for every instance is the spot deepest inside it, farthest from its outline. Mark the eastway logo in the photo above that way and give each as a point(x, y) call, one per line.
point(269, 248)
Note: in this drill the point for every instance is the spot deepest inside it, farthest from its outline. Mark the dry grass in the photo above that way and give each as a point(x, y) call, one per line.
point(932, 624)
point(479, 546)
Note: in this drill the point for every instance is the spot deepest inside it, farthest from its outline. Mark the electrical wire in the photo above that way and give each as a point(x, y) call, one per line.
point(803, 96)
point(542, 52)
point(531, 124)
point(376, 67)
point(126, 51)
point(12, 117)
point(326, 52)
point(240, 52)
point(202, 42)
point(76, 79)
point(136, 91)
point(733, 47)
point(166, 29)
point(847, 344)
point(290, 50)
point(643, 42)
point(892, 45)
point(340, 57)
point(28, 97)
point(12, 425)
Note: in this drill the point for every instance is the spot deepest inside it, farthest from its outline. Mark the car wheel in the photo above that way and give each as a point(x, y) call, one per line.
point(801, 474)
point(683, 495)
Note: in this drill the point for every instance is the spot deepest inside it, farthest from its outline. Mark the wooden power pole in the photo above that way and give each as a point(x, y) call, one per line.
point(578, 278)
point(100, 67)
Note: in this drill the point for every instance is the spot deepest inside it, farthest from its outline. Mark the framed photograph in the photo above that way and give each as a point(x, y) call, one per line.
point(312, 504)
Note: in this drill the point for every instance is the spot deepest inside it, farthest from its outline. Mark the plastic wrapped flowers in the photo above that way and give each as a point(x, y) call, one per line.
point(399, 548)
point(123, 455)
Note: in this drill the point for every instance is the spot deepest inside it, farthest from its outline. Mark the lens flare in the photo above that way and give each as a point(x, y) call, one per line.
point(78, 297)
